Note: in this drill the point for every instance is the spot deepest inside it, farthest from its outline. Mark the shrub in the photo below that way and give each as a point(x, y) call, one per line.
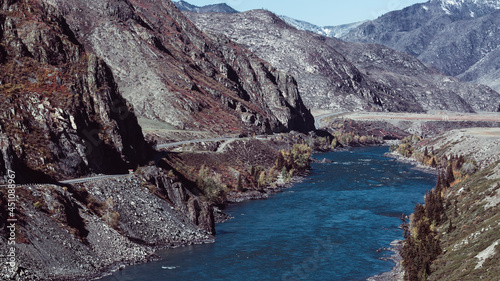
point(334, 143)
point(262, 180)
point(213, 192)
point(301, 155)
point(37, 205)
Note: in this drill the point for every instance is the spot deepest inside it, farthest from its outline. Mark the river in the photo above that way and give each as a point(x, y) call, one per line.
point(328, 227)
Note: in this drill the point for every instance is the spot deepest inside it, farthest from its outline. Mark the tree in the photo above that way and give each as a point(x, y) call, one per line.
point(239, 184)
point(262, 179)
point(280, 161)
point(433, 162)
point(450, 178)
point(301, 156)
point(459, 163)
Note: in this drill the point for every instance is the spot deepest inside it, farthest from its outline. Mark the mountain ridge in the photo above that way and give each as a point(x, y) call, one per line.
point(328, 78)
point(214, 8)
point(171, 72)
point(452, 36)
point(330, 31)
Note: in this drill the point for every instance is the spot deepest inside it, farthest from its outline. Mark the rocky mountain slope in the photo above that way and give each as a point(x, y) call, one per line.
point(470, 234)
point(459, 37)
point(172, 72)
point(413, 79)
point(332, 74)
point(81, 232)
point(461, 215)
point(61, 115)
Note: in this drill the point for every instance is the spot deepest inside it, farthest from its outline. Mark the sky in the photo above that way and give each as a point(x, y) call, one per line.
point(318, 12)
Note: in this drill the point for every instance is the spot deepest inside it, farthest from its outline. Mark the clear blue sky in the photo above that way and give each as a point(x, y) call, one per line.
point(318, 12)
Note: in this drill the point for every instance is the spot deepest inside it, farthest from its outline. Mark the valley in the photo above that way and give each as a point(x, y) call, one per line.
point(322, 117)
point(130, 130)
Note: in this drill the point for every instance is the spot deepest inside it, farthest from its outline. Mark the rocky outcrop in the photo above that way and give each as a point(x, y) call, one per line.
point(182, 194)
point(172, 72)
point(61, 115)
point(81, 231)
point(453, 36)
point(332, 74)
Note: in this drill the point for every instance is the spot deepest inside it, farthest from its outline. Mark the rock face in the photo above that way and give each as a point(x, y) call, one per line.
point(172, 72)
point(81, 231)
point(409, 78)
point(332, 74)
point(61, 117)
point(61, 113)
point(461, 38)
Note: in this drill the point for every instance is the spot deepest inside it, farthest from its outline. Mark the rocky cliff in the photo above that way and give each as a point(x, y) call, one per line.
point(82, 231)
point(62, 116)
point(172, 72)
point(458, 37)
point(332, 74)
point(61, 113)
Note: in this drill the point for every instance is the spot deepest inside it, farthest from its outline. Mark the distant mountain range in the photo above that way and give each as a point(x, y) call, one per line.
point(332, 74)
point(330, 31)
point(460, 37)
point(215, 8)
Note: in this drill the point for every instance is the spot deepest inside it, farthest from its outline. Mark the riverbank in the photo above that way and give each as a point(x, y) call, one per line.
point(465, 210)
point(86, 230)
point(412, 161)
point(397, 273)
point(328, 226)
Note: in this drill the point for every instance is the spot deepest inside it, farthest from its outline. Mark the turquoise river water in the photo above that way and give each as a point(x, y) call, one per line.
point(328, 227)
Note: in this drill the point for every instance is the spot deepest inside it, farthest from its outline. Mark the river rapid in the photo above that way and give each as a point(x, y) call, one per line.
point(332, 226)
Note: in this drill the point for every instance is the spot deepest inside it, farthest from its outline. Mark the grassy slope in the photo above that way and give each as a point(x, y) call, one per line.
point(475, 227)
point(469, 233)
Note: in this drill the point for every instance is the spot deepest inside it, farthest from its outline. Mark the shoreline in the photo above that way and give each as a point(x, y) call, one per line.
point(411, 161)
point(245, 196)
point(396, 273)
point(265, 193)
point(111, 269)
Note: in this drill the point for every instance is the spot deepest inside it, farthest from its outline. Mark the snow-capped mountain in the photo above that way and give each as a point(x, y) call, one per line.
point(448, 5)
point(455, 36)
point(467, 8)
